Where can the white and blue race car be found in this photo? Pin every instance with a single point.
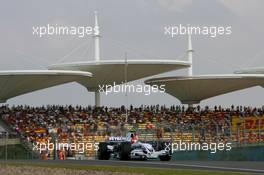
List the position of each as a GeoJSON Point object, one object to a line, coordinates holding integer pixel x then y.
{"type": "Point", "coordinates": [124, 148]}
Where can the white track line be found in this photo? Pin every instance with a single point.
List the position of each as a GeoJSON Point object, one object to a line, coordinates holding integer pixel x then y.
{"type": "Point", "coordinates": [197, 166]}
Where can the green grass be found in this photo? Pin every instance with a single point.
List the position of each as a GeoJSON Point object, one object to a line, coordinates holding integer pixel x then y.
{"type": "Point", "coordinates": [145, 171]}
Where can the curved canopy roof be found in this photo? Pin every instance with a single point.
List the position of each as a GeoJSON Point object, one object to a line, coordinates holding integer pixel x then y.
{"type": "Point", "coordinates": [255, 70]}
{"type": "Point", "coordinates": [106, 72]}
{"type": "Point", "coordinates": [14, 83]}
{"type": "Point", "coordinates": [194, 89]}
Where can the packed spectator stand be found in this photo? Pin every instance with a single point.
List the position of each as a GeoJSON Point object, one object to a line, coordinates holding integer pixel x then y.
{"type": "Point", "coordinates": [95, 124]}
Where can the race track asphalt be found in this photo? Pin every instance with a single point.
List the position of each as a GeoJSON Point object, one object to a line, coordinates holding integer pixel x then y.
{"type": "Point", "coordinates": [228, 166]}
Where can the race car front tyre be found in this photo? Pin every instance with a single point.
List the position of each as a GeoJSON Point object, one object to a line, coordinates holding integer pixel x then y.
{"type": "Point", "coordinates": [103, 153]}
{"type": "Point", "coordinates": [165, 157]}
{"type": "Point", "coordinates": [125, 150]}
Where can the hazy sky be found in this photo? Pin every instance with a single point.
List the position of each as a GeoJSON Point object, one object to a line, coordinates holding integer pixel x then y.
{"type": "Point", "coordinates": [135, 27]}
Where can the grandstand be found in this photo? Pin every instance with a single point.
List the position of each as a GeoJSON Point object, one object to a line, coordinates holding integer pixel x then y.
{"type": "Point", "coordinates": [243, 126]}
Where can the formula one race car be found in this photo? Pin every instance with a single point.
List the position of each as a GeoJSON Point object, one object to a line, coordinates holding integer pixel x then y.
{"type": "Point", "coordinates": [127, 148]}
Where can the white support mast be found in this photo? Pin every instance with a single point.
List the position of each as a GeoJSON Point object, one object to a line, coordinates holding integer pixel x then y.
{"type": "Point", "coordinates": [190, 55]}
{"type": "Point", "coordinates": [190, 59]}
{"type": "Point", "coordinates": [126, 65]}
{"type": "Point", "coordinates": [97, 98]}
{"type": "Point", "coordinates": [96, 38]}
{"type": "Point", "coordinates": [96, 54]}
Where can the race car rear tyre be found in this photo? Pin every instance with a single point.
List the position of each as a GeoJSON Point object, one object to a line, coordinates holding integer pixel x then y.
{"type": "Point", "coordinates": [103, 153]}
{"type": "Point", "coordinates": [165, 158]}
{"type": "Point", "coordinates": [143, 158]}
{"type": "Point", "coordinates": [125, 150]}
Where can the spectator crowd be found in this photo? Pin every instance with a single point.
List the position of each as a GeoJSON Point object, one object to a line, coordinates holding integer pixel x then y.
{"type": "Point", "coordinates": [73, 124]}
